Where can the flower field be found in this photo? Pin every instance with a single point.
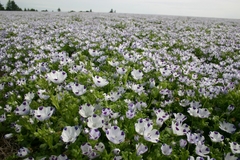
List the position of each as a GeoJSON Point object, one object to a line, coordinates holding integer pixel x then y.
{"type": "Point", "coordinates": [119, 86]}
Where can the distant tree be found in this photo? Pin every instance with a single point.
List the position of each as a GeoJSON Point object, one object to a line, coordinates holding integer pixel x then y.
{"type": "Point", "coordinates": [1, 7]}
{"type": "Point", "coordinates": [59, 10]}
{"type": "Point", "coordinates": [111, 11]}
{"type": "Point", "coordinates": [25, 9]}
{"type": "Point", "coordinates": [90, 10]}
{"type": "Point", "coordinates": [12, 6]}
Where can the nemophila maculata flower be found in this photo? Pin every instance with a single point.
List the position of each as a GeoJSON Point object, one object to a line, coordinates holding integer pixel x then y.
{"type": "Point", "coordinates": [116, 151]}
{"type": "Point", "coordinates": [137, 74]}
{"type": "Point", "coordinates": [86, 110]}
{"type": "Point", "coordinates": [78, 89]}
{"type": "Point", "coordinates": [166, 149]}
{"type": "Point", "coordinates": [87, 150]}
{"type": "Point", "coordinates": [22, 152]}
{"type": "Point", "coordinates": [230, 156]}
{"type": "Point", "coordinates": [142, 124]}
{"type": "Point", "coordinates": [29, 97]}
{"type": "Point", "coordinates": [8, 108]}
{"type": "Point", "coordinates": [201, 149]}
{"type": "Point", "coordinates": [130, 114]}
{"type": "Point", "coordinates": [57, 76]}
{"type": "Point", "coordinates": [1, 86]}
{"type": "Point", "coordinates": [216, 136]}
{"type": "Point", "coordinates": [182, 143]}
{"type": "Point", "coordinates": [94, 134]}
{"type": "Point", "coordinates": [23, 109]}
{"type": "Point", "coordinates": [151, 135]}
{"type": "Point", "coordinates": [193, 138]}
{"type": "Point", "coordinates": [141, 149]}
{"type": "Point", "coordinates": [100, 147]}
{"type": "Point", "coordinates": [179, 117]}
{"type": "Point", "coordinates": [3, 117]}
{"type": "Point", "coordinates": [70, 134]}
{"type": "Point", "coordinates": [117, 158]}
{"type": "Point", "coordinates": [179, 129]}
{"type": "Point", "coordinates": [121, 70]}
{"type": "Point", "coordinates": [235, 147]}
{"type": "Point", "coordinates": [99, 81]}
{"type": "Point", "coordinates": [227, 127]}
{"type": "Point", "coordinates": [43, 113]}
{"type": "Point", "coordinates": [94, 53]}
{"type": "Point", "coordinates": [95, 121]}
{"type": "Point", "coordinates": [42, 95]}
{"type": "Point", "coordinates": [8, 136]}
{"type": "Point", "coordinates": [115, 135]}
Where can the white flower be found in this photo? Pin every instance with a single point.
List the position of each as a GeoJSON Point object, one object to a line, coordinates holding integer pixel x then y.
{"type": "Point", "coordinates": [88, 151]}
{"type": "Point", "coordinates": [8, 108]}
{"type": "Point", "coordinates": [162, 116]}
{"type": "Point", "coordinates": [137, 88]}
{"type": "Point", "coordinates": [1, 86]}
{"type": "Point", "coordinates": [99, 81]}
{"type": "Point", "coordinates": [151, 135]}
{"type": "Point", "coordinates": [95, 121]}
{"type": "Point", "coordinates": [216, 136]}
{"type": "Point", "coordinates": [57, 76]}
{"type": "Point", "coordinates": [94, 134]}
{"type": "Point", "coordinates": [62, 157]}
{"type": "Point", "coordinates": [121, 70]}
{"type": "Point", "coordinates": [86, 110]}
{"type": "Point", "coordinates": [94, 53]}
{"type": "Point", "coordinates": [23, 109]}
{"type": "Point", "coordinates": [230, 156]}
{"type": "Point", "coordinates": [193, 111]}
{"type": "Point", "coordinates": [137, 74]}
{"type": "Point", "coordinates": [203, 113]}
{"type": "Point", "coordinates": [22, 152]}
{"type": "Point", "coordinates": [3, 117]}
{"type": "Point", "coordinates": [100, 147]}
{"type": "Point", "coordinates": [42, 95]}
{"type": "Point", "coordinates": [8, 136]}
{"type": "Point", "coordinates": [116, 151]}
{"type": "Point", "coordinates": [179, 129]}
{"type": "Point", "coordinates": [179, 117]}
{"type": "Point", "coordinates": [115, 135]}
{"type": "Point", "coordinates": [142, 124]}
{"type": "Point", "coordinates": [117, 158]}
{"type": "Point", "coordinates": [78, 89]}
{"type": "Point", "coordinates": [29, 96]}
{"type": "Point", "coordinates": [141, 148]}
{"type": "Point", "coordinates": [182, 143]}
{"type": "Point", "coordinates": [202, 150]}
{"type": "Point", "coordinates": [235, 147]}
{"type": "Point", "coordinates": [166, 149]}
{"type": "Point", "coordinates": [70, 133]}
{"type": "Point", "coordinates": [43, 113]}
{"type": "Point", "coordinates": [192, 138]}
{"type": "Point", "coordinates": [227, 127]}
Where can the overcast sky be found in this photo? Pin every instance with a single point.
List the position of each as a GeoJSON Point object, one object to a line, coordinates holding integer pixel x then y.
{"type": "Point", "coordinates": [199, 8]}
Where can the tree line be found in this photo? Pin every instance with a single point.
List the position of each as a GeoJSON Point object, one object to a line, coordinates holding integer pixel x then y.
{"type": "Point", "coordinates": [10, 6]}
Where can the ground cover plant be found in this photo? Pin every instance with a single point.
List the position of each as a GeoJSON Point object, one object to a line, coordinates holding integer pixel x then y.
{"type": "Point", "coordinates": [119, 86]}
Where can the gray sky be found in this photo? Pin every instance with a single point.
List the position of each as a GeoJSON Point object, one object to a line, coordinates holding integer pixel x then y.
{"type": "Point", "coordinates": [199, 8]}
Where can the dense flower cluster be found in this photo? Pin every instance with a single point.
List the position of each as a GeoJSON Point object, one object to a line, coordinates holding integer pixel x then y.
{"type": "Point", "coordinates": [85, 86]}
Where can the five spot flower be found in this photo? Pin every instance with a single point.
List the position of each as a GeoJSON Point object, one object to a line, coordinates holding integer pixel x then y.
{"type": "Point", "coordinates": [115, 135]}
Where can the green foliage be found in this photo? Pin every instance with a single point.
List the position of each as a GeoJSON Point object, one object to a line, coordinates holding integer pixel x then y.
{"type": "Point", "coordinates": [1, 7]}
{"type": "Point", "coordinates": [12, 6]}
